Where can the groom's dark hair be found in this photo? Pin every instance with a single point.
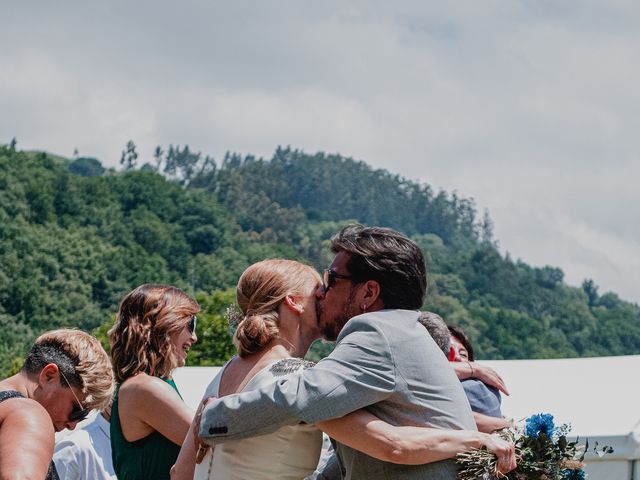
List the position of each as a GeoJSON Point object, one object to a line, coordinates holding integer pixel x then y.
{"type": "Point", "coordinates": [389, 258]}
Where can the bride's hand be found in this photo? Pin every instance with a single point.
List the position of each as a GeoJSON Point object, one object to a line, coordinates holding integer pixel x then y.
{"type": "Point", "coordinates": [201, 447]}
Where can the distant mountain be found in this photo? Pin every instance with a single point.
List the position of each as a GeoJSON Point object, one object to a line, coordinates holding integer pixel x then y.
{"type": "Point", "coordinates": [75, 237]}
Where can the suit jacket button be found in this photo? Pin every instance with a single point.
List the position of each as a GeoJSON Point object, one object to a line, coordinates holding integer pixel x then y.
{"type": "Point", "coordinates": [214, 430]}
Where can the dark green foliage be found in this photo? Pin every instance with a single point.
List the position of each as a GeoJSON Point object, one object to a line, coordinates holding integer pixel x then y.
{"type": "Point", "coordinates": [214, 346]}
{"type": "Point", "coordinates": [319, 349]}
{"type": "Point", "coordinates": [74, 239]}
{"type": "Point", "coordinates": [87, 167]}
{"type": "Point", "coordinates": [334, 188]}
{"type": "Point", "coordinates": [72, 245]}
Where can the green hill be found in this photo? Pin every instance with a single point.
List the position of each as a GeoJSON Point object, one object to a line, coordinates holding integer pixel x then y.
{"type": "Point", "coordinates": [75, 237]}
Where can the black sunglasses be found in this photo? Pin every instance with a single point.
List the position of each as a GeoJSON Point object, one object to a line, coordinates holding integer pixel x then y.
{"type": "Point", "coordinates": [191, 324]}
{"type": "Point", "coordinates": [77, 415]}
{"type": "Point", "coordinates": [329, 278]}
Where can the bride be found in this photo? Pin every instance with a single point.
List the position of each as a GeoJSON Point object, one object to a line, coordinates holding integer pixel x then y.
{"type": "Point", "coordinates": [278, 324]}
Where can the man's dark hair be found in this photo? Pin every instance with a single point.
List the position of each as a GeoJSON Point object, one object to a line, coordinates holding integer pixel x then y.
{"type": "Point", "coordinates": [43, 354]}
{"type": "Point", "coordinates": [389, 258]}
{"type": "Point", "coordinates": [463, 339]}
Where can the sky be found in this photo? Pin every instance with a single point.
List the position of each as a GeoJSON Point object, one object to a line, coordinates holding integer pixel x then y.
{"type": "Point", "coordinates": [529, 107]}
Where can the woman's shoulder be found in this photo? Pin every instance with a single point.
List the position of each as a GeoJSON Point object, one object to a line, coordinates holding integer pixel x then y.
{"type": "Point", "coordinates": [21, 407]}
{"type": "Point", "coordinates": [23, 417]}
{"type": "Point", "coordinates": [144, 386]}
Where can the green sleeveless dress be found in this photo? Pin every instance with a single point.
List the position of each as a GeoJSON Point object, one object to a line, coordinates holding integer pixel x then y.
{"type": "Point", "coordinates": [150, 457]}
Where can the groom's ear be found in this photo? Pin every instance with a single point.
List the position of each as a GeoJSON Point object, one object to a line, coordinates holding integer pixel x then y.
{"type": "Point", "coordinates": [293, 305]}
{"type": "Point", "coordinates": [370, 292]}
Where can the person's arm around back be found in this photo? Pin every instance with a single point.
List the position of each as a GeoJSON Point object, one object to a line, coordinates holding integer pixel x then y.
{"type": "Point", "coordinates": [483, 373]}
{"type": "Point", "coordinates": [488, 424]}
{"type": "Point", "coordinates": [359, 372]}
{"type": "Point", "coordinates": [185, 465]}
{"type": "Point", "coordinates": [26, 440]}
{"type": "Point", "coordinates": [410, 445]}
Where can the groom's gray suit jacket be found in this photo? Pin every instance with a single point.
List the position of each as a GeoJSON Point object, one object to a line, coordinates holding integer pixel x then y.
{"type": "Point", "coordinates": [385, 362]}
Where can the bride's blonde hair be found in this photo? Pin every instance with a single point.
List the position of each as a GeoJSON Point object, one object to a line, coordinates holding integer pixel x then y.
{"type": "Point", "coordinates": [261, 289]}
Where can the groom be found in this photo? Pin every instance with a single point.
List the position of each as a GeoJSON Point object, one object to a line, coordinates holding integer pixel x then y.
{"type": "Point", "coordinates": [383, 360]}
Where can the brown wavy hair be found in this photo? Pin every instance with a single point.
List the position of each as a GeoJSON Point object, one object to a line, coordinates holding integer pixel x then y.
{"type": "Point", "coordinates": [261, 289]}
{"type": "Point", "coordinates": [141, 337]}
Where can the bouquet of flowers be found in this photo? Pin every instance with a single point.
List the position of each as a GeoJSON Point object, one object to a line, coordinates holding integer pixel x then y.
{"type": "Point", "coordinates": [542, 451]}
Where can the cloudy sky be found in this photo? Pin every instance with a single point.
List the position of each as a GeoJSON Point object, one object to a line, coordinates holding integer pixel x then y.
{"type": "Point", "coordinates": [529, 107]}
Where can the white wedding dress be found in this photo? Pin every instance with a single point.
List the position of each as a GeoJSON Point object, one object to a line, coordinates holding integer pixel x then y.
{"type": "Point", "coordinates": [290, 453]}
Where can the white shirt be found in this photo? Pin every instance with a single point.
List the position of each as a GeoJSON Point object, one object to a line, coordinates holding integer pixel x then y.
{"type": "Point", "coordinates": [85, 453]}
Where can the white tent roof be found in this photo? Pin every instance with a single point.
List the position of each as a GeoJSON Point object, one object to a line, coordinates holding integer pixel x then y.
{"type": "Point", "coordinates": [192, 383]}
{"type": "Point", "coordinates": [597, 396]}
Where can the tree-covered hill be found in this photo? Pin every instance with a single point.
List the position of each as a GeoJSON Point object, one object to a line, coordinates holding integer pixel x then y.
{"type": "Point", "coordinates": [74, 237]}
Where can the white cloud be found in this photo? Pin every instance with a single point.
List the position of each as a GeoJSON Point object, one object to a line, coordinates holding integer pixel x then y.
{"type": "Point", "coordinates": [529, 107]}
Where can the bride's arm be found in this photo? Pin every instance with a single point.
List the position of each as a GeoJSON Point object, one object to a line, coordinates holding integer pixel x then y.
{"type": "Point", "coordinates": [365, 432]}
{"type": "Point", "coordinates": [185, 464]}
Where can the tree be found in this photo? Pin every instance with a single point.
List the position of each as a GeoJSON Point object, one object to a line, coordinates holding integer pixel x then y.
{"type": "Point", "coordinates": [214, 346]}
{"type": "Point", "coordinates": [591, 290]}
{"type": "Point", "coordinates": [129, 157]}
{"type": "Point", "coordinates": [183, 163]}
{"type": "Point", "coordinates": [486, 228]}
{"type": "Point", "coordinates": [87, 167]}
{"type": "Point", "coordinates": [157, 156]}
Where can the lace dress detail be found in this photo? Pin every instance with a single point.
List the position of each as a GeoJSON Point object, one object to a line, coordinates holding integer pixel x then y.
{"type": "Point", "coordinates": [289, 365]}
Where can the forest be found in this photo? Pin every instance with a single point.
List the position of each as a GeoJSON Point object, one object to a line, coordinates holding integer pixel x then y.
{"type": "Point", "coordinates": [76, 236]}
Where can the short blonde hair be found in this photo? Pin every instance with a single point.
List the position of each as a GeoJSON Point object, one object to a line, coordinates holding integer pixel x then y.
{"type": "Point", "coordinates": [81, 359]}
{"type": "Point", "coordinates": [141, 336]}
{"type": "Point", "coordinates": [261, 289]}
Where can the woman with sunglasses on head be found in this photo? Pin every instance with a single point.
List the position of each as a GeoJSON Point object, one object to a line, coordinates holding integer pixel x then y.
{"type": "Point", "coordinates": [154, 330]}
{"type": "Point", "coordinates": [65, 375]}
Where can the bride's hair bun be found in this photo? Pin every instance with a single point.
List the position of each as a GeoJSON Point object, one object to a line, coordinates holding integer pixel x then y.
{"type": "Point", "coordinates": [255, 332]}
{"type": "Point", "coordinates": [261, 289]}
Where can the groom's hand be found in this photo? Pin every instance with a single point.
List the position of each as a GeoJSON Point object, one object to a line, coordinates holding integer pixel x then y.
{"type": "Point", "coordinates": [201, 447]}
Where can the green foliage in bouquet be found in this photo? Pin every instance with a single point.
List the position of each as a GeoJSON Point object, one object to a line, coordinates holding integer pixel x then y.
{"type": "Point", "coordinates": [542, 451]}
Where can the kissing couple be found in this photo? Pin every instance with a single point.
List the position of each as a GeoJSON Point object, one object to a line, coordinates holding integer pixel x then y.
{"type": "Point", "coordinates": [386, 396]}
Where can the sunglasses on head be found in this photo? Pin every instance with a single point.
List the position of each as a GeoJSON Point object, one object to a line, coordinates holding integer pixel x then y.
{"type": "Point", "coordinates": [76, 415]}
{"type": "Point", "coordinates": [329, 278]}
{"type": "Point", "coordinates": [191, 324]}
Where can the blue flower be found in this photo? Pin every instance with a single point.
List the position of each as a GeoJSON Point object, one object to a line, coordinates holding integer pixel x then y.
{"type": "Point", "coordinates": [539, 423]}
{"type": "Point", "coordinates": [573, 475]}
